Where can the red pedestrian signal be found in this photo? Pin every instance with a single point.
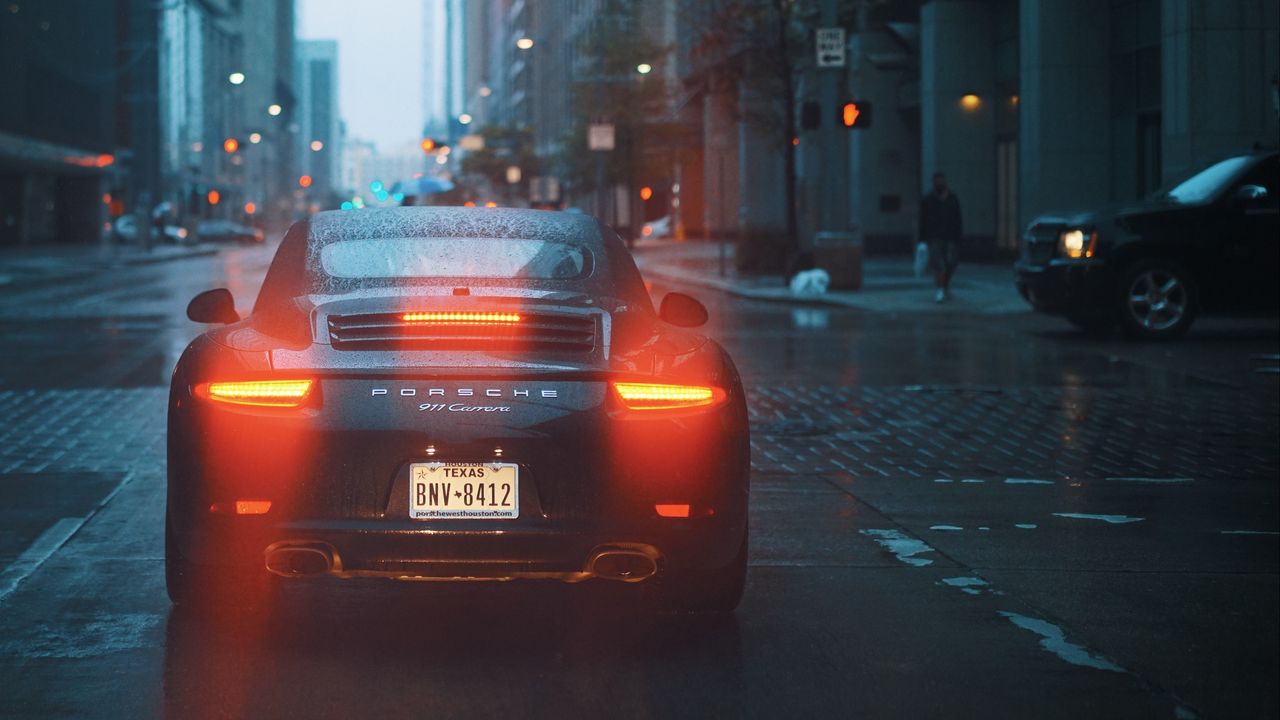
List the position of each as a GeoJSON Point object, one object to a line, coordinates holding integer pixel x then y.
{"type": "Point", "coordinates": [855, 114]}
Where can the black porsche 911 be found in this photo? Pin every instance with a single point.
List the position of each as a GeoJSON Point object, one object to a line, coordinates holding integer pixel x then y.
{"type": "Point", "coordinates": [428, 393]}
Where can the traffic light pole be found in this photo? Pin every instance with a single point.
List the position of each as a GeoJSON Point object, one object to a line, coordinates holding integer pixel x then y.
{"type": "Point", "coordinates": [833, 138]}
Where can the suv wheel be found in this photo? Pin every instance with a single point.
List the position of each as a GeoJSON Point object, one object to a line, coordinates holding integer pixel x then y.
{"type": "Point", "coordinates": [1158, 300]}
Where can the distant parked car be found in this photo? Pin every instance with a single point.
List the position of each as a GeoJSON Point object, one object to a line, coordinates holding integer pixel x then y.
{"type": "Point", "coordinates": [227, 231]}
{"type": "Point", "coordinates": [1210, 243]}
{"type": "Point", "coordinates": [657, 228]}
{"type": "Point", "coordinates": [125, 230]}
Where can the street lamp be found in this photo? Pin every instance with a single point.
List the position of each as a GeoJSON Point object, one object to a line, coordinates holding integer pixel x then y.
{"type": "Point", "coordinates": [274, 109]}
{"type": "Point", "coordinates": [316, 146]}
{"type": "Point", "coordinates": [465, 118]}
{"type": "Point", "coordinates": [236, 78]}
{"type": "Point", "coordinates": [644, 68]}
{"type": "Point", "coordinates": [525, 43]}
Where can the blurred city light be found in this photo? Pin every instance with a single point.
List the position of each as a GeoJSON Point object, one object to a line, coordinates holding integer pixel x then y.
{"type": "Point", "coordinates": [273, 109]}
{"type": "Point", "coordinates": [465, 118]}
{"type": "Point", "coordinates": [644, 68]}
{"type": "Point", "coordinates": [255, 138]}
{"type": "Point", "coordinates": [230, 145]}
{"type": "Point", "coordinates": [250, 208]}
{"type": "Point", "coordinates": [375, 186]}
{"type": "Point", "coordinates": [524, 43]}
{"type": "Point", "coordinates": [346, 205]}
{"type": "Point", "coordinates": [236, 78]}
{"type": "Point", "coordinates": [646, 192]}
{"type": "Point", "coordinates": [214, 197]}
{"type": "Point", "coordinates": [428, 145]}
{"type": "Point", "coordinates": [316, 146]}
{"type": "Point", "coordinates": [485, 91]}
{"type": "Point", "coordinates": [305, 181]}
{"type": "Point", "coordinates": [970, 102]}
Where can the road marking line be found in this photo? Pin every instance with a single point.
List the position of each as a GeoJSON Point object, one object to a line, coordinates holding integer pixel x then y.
{"type": "Point", "coordinates": [1248, 532]}
{"type": "Point", "coordinates": [49, 542]}
{"type": "Point", "coordinates": [1113, 519]}
{"type": "Point", "coordinates": [1054, 640]}
{"type": "Point", "coordinates": [1026, 481]}
{"type": "Point", "coordinates": [34, 556]}
{"type": "Point", "coordinates": [1153, 480]}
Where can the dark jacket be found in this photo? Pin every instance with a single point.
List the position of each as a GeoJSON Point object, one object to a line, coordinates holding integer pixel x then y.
{"type": "Point", "coordinates": [940, 218]}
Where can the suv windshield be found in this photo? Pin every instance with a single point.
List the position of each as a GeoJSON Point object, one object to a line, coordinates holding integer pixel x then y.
{"type": "Point", "coordinates": [1205, 184]}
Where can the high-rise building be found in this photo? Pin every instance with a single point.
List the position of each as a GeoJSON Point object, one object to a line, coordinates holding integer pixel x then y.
{"type": "Point", "coordinates": [319, 126]}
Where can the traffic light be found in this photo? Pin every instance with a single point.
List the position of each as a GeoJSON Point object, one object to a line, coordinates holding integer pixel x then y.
{"type": "Point", "coordinates": [854, 114]}
{"type": "Point", "coordinates": [430, 145]}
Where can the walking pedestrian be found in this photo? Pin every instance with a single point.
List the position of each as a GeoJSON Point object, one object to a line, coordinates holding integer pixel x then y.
{"type": "Point", "coordinates": [941, 229]}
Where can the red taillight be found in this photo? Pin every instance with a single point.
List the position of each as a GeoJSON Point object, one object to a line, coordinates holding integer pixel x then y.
{"type": "Point", "coordinates": [253, 507]}
{"type": "Point", "coordinates": [652, 396]}
{"type": "Point", "coordinates": [672, 511]}
{"type": "Point", "coordinates": [266, 393]}
{"type": "Point", "coordinates": [461, 318]}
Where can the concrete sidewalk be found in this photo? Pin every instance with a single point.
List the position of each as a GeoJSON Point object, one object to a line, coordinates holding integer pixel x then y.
{"type": "Point", "coordinates": [49, 261]}
{"type": "Point", "coordinates": [888, 284]}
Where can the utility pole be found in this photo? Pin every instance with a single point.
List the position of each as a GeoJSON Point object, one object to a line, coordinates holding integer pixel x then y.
{"type": "Point", "coordinates": [833, 162]}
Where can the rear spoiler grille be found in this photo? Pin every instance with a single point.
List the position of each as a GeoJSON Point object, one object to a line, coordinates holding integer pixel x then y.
{"type": "Point", "coordinates": [533, 331]}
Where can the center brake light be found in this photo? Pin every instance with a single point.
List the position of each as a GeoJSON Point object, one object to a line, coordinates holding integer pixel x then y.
{"type": "Point", "coordinates": [652, 396]}
{"type": "Point", "coordinates": [264, 393]}
{"type": "Point", "coordinates": [461, 318]}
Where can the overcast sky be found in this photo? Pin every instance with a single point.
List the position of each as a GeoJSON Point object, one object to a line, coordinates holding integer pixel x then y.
{"type": "Point", "coordinates": [380, 70]}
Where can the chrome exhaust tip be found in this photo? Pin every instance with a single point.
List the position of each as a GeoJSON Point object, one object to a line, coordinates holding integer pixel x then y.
{"type": "Point", "coordinates": [301, 559]}
{"type": "Point", "coordinates": [625, 565]}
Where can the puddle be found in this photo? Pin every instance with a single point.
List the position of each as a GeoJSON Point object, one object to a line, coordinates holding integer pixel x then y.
{"type": "Point", "coordinates": [904, 548]}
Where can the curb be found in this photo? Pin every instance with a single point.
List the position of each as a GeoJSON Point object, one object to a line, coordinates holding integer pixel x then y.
{"type": "Point", "coordinates": [154, 259]}
{"type": "Point", "coordinates": [784, 295]}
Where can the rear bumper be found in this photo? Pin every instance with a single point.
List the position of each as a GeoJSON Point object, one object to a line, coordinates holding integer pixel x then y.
{"type": "Point", "coordinates": [1078, 288]}
{"type": "Point", "coordinates": [428, 551]}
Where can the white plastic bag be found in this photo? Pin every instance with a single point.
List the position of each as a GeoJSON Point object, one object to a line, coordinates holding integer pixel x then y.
{"type": "Point", "coordinates": [810, 282]}
{"type": "Point", "coordinates": [922, 259]}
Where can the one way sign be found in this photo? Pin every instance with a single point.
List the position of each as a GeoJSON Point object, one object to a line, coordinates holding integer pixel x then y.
{"type": "Point", "coordinates": [830, 43]}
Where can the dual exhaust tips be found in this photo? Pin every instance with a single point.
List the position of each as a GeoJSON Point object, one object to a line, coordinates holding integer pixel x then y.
{"type": "Point", "coordinates": [623, 563]}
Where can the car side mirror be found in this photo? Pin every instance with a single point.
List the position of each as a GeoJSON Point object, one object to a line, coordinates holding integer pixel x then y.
{"type": "Point", "coordinates": [1250, 193]}
{"type": "Point", "coordinates": [682, 310]}
{"type": "Point", "coordinates": [213, 306]}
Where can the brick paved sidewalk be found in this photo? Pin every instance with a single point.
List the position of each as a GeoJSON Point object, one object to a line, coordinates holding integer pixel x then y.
{"type": "Point", "coordinates": [888, 284]}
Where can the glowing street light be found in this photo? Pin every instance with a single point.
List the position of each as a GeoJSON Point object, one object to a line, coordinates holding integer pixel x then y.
{"type": "Point", "coordinates": [525, 43]}
{"type": "Point", "coordinates": [255, 138]}
{"type": "Point", "coordinates": [644, 68]}
{"type": "Point", "coordinates": [274, 109]}
{"type": "Point", "coordinates": [465, 118]}
{"type": "Point", "coordinates": [316, 146]}
{"type": "Point", "coordinates": [236, 78]}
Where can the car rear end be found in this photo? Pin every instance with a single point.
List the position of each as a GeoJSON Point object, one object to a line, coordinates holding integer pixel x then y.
{"type": "Point", "coordinates": [506, 434]}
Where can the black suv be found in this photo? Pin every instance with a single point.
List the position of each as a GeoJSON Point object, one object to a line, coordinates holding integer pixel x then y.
{"type": "Point", "coordinates": [1210, 243]}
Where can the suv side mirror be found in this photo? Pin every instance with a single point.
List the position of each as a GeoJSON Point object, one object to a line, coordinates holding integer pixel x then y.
{"type": "Point", "coordinates": [682, 310]}
{"type": "Point", "coordinates": [1251, 193]}
{"type": "Point", "coordinates": [213, 306]}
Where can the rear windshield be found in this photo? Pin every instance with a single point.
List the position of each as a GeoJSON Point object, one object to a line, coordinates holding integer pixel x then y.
{"type": "Point", "coordinates": [399, 249]}
{"type": "Point", "coordinates": [455, 257]}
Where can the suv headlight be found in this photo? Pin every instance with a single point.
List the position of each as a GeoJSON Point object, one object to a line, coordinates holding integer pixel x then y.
{"type": "Point", "coordinates": [1078, 243]}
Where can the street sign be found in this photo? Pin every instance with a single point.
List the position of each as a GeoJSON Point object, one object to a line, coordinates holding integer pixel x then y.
{"type": "Point", "coordinates": [600, 136]}
{"type": "Point", "coordinates": [830, 45]}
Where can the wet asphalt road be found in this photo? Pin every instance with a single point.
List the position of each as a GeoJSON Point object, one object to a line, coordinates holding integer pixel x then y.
{"type": "Point", "coordinates": [951, 516]}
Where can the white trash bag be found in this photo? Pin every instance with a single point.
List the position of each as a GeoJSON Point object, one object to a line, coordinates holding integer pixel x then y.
{"type": "Point", "coordinates": [810, 282]}
{"type": "Point", "coordinates": [922, 259]}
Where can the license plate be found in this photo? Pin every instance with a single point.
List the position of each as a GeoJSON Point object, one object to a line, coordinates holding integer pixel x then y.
{"type": "Point", "coordinates": [464, 491]}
